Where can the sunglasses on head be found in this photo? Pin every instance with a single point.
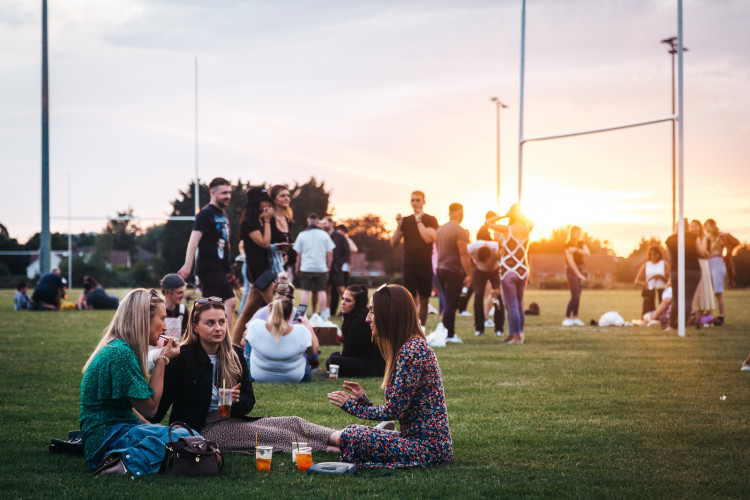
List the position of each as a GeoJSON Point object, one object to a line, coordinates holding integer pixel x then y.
{"type": "Point", "coordinates": [206, 300]}
{"type": "Point", "coordinates": [154, 293]}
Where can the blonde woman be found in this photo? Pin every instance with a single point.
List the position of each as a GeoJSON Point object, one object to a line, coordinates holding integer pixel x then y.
{"type": "Point", "coordinates": [703, 300]}
{"type": "Point", "coordinates": [114, 384]}
{"type": "Point", "coordinates": [413, 393]}
{"type": "Point", "coordinates": [207, 362]}
{"type": "Point", "coordinates": [278, 347]}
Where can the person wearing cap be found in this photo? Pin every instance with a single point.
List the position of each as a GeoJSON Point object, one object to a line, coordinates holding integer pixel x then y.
{"type": "Point", "coordinates": [173, 289]}
{"type": "Point", "coordinates": [210, 236]}
{"type": "Point", "coordinates": [48, 291]}
{"type": "Point", "coordinates": [255, 233]}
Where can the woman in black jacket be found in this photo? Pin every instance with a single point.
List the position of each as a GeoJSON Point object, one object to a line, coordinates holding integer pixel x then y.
{"type": "Point", "coordinates": [361, 357]}
{"type": "Point", "coordinates": [207, 362]}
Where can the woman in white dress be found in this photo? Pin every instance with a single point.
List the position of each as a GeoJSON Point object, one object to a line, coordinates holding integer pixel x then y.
{"type": "Point", "coordinates": [703, 301]}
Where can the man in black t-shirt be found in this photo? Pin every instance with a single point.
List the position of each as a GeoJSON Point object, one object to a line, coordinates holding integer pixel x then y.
{"type": "Point", "coordinates": [210, 237]}
{"type": "Point", "coordinates": [341, 255]}
{"type": "Point", "coordinates": [418, 231]}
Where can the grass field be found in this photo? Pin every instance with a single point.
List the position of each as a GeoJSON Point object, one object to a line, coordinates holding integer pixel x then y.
{"type": "Point", "coordinates": [574, 412]}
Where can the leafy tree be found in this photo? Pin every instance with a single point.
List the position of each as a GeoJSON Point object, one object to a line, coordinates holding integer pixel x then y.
{"type": "Point", "coordinates": [306, 198]}
{"type": "Point", "coordinates": [15, 264]}
{"type": "Point", "coordinates": [373, 239]}
{"type": "Point", "coordinates": [742, 266]}
{"type": "Point", "coordinates": [124, 232]}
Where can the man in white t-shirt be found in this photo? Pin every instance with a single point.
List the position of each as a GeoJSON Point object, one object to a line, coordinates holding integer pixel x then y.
{"type": "Point", "coordinates": [314, 249]}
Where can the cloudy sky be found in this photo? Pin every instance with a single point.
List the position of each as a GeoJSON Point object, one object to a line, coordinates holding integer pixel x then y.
{"type": "Point", "coordinates": [377, 98]}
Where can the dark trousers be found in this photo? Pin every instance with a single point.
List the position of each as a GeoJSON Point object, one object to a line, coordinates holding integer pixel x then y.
{"type": "Point", "coordinates": [479, 281]}
{"type": "Point", "coordinates": [692, 280]}
{"type": "Point", "coordinates": [574, 284]}
{"type": "Point", "coordinates": [651, 299]}
{"type": "Point", "coordinates": [451, 283]}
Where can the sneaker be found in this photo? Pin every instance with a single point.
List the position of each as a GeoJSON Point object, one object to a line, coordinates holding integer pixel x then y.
{"type": "Point", "coordinates": [464, 313]}
{"type": "Point", "coordinates": [577, 322]}
{"type": "Point", "coordinates": [498, 333]}
{"type": "Point", "coordinates": [478, 333]}
{"type": "Point", "coordinates": [567, 322]}
{"type": "Point", "coordinates": [719, 321]}
{"type": "Point", "coordinates": [489, 323]}
{"type": "Point", "coordinates": [455, 340]}
{"type": "Point", "coordinates": [388, 425]}
{"type": "Point", "coordinates": [745, 366]}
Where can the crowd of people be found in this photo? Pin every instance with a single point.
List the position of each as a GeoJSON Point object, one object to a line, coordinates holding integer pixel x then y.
{"type": "Point", "coordinates": [158, 357]}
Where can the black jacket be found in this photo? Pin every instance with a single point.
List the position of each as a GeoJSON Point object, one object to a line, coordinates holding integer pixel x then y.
{"type": "Point", "coordinates": [188, 386]}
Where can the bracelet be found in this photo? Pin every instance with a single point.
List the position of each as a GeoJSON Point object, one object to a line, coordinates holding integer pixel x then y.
{"type": "Point", "coordinates": [161, 356]}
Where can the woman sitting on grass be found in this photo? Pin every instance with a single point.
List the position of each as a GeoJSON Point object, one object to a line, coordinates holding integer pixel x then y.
{"type": "Point", "coordinates": [278, 348]}
{"type": "Point", "coordinates": [114, 383]}
{"type": "Point", "coordinates": [207, 362]}
{"type": "Point", "coordinates": [413, 392]}
{"type": "Point", "coordinates": [360, 356]}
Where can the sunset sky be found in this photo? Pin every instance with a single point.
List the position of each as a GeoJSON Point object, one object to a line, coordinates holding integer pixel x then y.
{"type": "Point", "coordinates": [378, 98]}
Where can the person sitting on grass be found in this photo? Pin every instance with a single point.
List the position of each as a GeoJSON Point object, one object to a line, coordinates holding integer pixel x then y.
{"type": "Point", "coordinates": [114, 384]}
{"type": "Point", "coordinates": [278, 348]}
{"type": "Point", "coordinates": [413, 392]}
{"type": "Point", "coordinates": [94, 296]}
{"type": "Point", "coordinates": [21, 301]}
{"type": "Point", "coordinates": [360, 356]}
{"type": "Point", "coordinates": [207, 362]}
{"type": "Point", "coordinates": [49, 291]}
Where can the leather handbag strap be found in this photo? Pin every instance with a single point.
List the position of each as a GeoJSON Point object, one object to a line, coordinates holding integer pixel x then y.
{"type": "Point", "coordinates": [180, 424]}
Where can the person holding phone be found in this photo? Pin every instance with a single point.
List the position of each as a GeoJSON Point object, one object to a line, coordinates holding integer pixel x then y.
{"type": "Point", "coordinates": [278, 348]}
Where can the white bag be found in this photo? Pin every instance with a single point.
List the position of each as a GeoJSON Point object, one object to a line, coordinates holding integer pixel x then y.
{"type": "Point", "coordinates": [437, 338]}
{"type": "Point", "coordinates": [611, 318]}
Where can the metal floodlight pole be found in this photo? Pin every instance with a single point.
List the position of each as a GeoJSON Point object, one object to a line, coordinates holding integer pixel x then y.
{"type": "Point", "coordinates": [70, 239]}
{"type": "Point", "coordinates": [197, 186]}
{"type": "Point", "coordinates": [681, 178]}
{"type": "Point", "coordinates": [520, 105]}
{"type": "Point", "coordinates": [44, 240]}
{"type": "Point", "coordinates": [498, 105]}
{"type": "Point", "coordinates": [672, 42]}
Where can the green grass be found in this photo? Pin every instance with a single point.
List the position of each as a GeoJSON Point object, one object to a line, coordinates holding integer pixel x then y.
{"type": "Point", "coordinates": [574, 412]}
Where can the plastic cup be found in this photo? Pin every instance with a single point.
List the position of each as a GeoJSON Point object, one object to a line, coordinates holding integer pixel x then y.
{"type": "Point", "coordinates": [302, 444]}
{"type": "Point", "coordinates": [304, 458]}
{"type": "Point", "coordinates": [263, 455]}
{"type": "Point", "coordinates": [225, 402]}
{"type": "Point", "coordinates": [333, 371]}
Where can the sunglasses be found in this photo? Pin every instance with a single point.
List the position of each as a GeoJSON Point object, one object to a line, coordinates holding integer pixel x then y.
{"type": "Point", "coordinates": [154, 294]}
{"type": "Point", "coordinates": [203, 301]}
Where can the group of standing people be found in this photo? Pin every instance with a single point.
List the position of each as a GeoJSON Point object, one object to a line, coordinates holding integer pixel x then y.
{"type": "Point", "coordinates": [708, 258]}
{"type": "Point", "coordinates": [501, 261]}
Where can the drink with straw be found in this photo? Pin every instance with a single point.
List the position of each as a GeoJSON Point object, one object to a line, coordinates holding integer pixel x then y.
{"type": "Point", "coordinates": [304, 458]}
{"type": "Point", "coordinates": [263, 456]}
{"type": "Point", "coordinates": [225, 401]}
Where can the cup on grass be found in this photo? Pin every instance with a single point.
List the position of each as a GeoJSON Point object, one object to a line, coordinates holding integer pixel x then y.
{"type": "Point", "coordinates": [333, 371]}
{"type": "Point", "coordinates": [263, 455]}
{"type": "Point", "coordinates": [225, 402]}
{"type": "Point", "coordinates": [295, 444]}
{"type": "Point", "coordinates": [304, 458]}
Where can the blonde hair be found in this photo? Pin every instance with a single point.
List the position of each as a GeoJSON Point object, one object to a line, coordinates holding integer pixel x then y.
{"type": "Point", "coordinates": [228, 366]}
{"type": "Point", "coordinates": [132, 323]}
{"type": "Point", "coordinates": [396, 322]}
{"type": "Point", "coordinates": [281, 310]}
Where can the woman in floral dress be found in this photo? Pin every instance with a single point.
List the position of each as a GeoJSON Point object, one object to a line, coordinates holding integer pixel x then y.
{"type": "Point", "coordinates": [413, 391]}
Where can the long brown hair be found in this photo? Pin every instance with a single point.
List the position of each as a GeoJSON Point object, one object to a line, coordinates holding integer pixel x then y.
{"type": "Point", "coordinates": [396, 321]}
{"type": "Point", "coordinates": [273, 192]}
{"type": "Point", "coordinates": [132, 323]}
{"type": "Point", "coordinates": [228, 366]}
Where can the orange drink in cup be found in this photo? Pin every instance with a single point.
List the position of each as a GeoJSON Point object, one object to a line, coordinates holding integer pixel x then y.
{"type": "Point", "coordinates": [304, 458]}
{"type": "Point", "coordinates": [225, 402]}
{"type": "Point", "coordinates": [263, 455]}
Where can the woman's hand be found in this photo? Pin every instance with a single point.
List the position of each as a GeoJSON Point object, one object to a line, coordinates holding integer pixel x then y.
{"type": "Point", "coordinates": [236, 393]}
{"type": "Point", "coordinates": [338, 398]}
{"type": "Point", "coordinates": [171, 349]}
{"type": "Point", "coordinates": [354, 388]}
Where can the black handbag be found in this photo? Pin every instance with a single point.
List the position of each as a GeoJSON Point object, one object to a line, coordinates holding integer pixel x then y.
{"type": "Point", "coordinates": [265, 279]}
{"type": "Point", "coordinates": [190, 456]}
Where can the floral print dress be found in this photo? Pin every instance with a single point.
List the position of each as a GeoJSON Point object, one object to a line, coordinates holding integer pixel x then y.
{"type": "Point", "coordinates": [415, 397]}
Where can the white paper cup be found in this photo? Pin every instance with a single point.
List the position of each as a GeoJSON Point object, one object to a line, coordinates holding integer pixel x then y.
{"type": "Point", "coordinates": [333, 371]}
